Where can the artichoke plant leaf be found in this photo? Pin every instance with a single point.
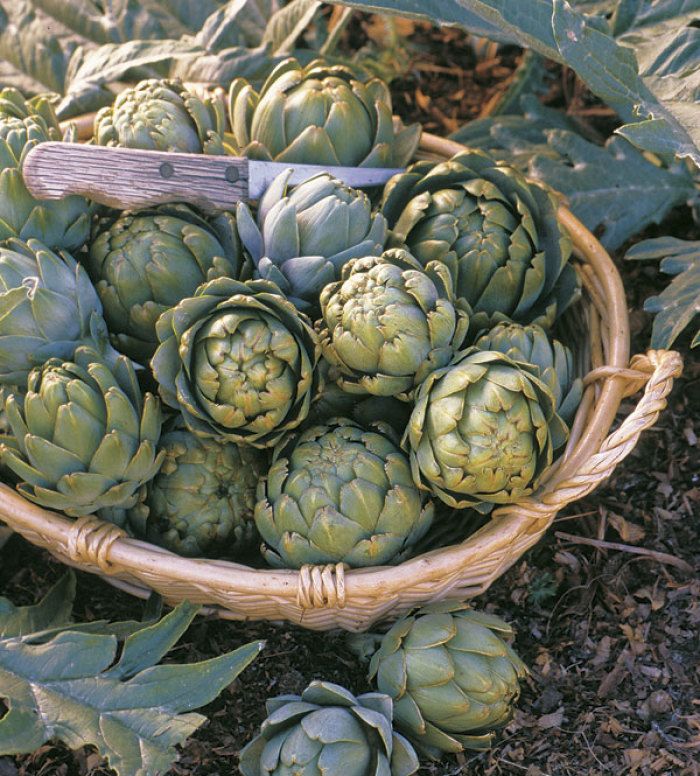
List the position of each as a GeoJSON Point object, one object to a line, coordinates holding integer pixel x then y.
{"type": "Point", "coordinates": [62, 682]}
{"type": "Point", "coordinates": [677, 305]}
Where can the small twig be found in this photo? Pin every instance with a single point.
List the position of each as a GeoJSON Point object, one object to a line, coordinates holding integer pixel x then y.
{"type": "Point", "coordinates": [660, 557]}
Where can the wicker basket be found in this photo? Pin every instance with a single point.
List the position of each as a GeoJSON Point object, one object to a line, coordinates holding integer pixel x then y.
{"type": "Point", "coordinates": [326, 597]}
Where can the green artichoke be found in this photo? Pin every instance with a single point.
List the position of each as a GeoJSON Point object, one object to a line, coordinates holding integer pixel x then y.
{"type": "Point", "coordinates": [333, 402]}
{"type": "Point", "coordinates": [63, 223]}
{"type": "Point", "coordinates": [339, 493]}
{"type": "Point", "coordinates": [451, 675]}
{"type": "Point", "coordinates": [497, 232]}
{"type": "Point", "coordinates": [47, 307]}
{"type": "Point", "coordinates": [87, 438]}
{"type": "Point", "coordinates": [483, 430]}
{"type": "Point", "coordinates": [143, 263]}
{"type": "Point", "coordinates": [554, 360]}
{"type": "Point", "coordinates": [201, 501]}
{"type": "Point", "coordinates": [389, 323]}
{"type": "Point", "coordinates": [161, 115]}
{"type": "Point", "coordinates": [238, 361]}
{"type": "Point", "coordinates": [327, 731]}
{"type": "Point", "coordinates": [319, 114]}
{"type": "Point", "coordinates": [303, 238]}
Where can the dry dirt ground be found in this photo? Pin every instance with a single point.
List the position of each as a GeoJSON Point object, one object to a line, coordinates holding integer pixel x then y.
{"type": "Point", "coordinates": [610, 634]}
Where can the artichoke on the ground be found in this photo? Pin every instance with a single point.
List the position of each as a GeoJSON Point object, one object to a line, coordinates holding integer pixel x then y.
{"type": "Point", "coordinates": [146, 262]}
{"type": "Point", "coordinates": [389, 323]}
{"type": "Point", "coordinates": [452, 676]}
{"type": "Point", "coordinates": [162, 115]}
{"type": "Point", "coordinates": [48, 306]}
{"type": "Point", "coordinates": [319, 114]}
{"type": "Point", "coordinates": [238, 360]}
{"type": "Point", "coordinates": [340, 493]}
{"type": "Point", "coordinates": [303, 238]}
{"type": "Point", "coordinates": [496, 231]}
{"type": "Point", "coordinates": [63, 223]}
{"type": "Point", "coordinates": [483, 430]}
{"type": "Point", "coordinates": [86, 437]}
{"type": "Point", "coordinates": [201, 501]}
{"type": "Point", "coordinates": [532, 345]}
{"type": "Point", "coordinates": [327, 731]}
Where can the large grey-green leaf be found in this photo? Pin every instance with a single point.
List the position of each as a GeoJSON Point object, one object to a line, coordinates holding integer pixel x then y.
{"type": "Point", "coordinates": [30, 46]}
{"type": "Point", "coordinates": [238, 23]}
{"type": "Point", "coordinates": [116, 21]}
{"type": "Point", "coordinates": [677, 305]}
{"type": "Point", "coordinates": [192, 14]}
{"type": "Point", "coordinates": [670, 66]}
{"type": "Point", "coordinates": [287, 24]}
{"type": "Point", "coordinates": [52, 611]}
{"type": "Point", "coordinates": [91, 70]}
{"type": "Point", "coordinates": [615, 190]}
{"type": "Point", "coordinates": [649, 17]}
{"type": "Point", "coordinates": [64, 683]}
{"type": "Point", "coordinates": [223, 66]}
{"type": "Point", "coordinates": [667, 109]}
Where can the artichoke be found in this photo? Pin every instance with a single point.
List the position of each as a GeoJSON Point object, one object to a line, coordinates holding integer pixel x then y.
{"type": "Point", "coordinates": [161, 115]}
{"type": "Point", "coordinates": [483, 430]}
{"type": "Point", "coordinates": [87, 438]}
{"type": "Point", "coordinates": [451, 675]}
{"type": "Point", "coordinates": [47, 307]}
{"type": "Point", "coordinates": [202, 499]}
{"type": "Point", "coordinates": [303, 238]}
{"type": "Point", "coordinates": [497, 232]}
{"type": "Point", "coordinates": [333, 402]}
{"type": "Point", "coordinates": [63, 223]}
{"type": "Point", "coordinates": [554, 360]}
{"type": "Point", "coordinates": [389, 323]}
{"type": "Point", "coordinates": [338, 493]}
{"type": "Point", "coordinates": [143, 263]}
{"type": "Point", "coordinates": [319, 114]}
{"type": "Point", "coordinates": [238, 361]}
{"type": "Point", "coordinates": [327, 731]}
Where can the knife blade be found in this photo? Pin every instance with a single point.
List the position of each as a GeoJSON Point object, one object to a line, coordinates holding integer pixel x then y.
{"type": "Point", "coordinates": [129, 179]}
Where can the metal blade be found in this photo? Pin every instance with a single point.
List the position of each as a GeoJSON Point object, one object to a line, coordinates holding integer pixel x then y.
{"type": "Point", "coordinates": [261, 175]}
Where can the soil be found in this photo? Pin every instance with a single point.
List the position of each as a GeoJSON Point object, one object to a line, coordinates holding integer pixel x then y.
{"type": "Point", "coordinates": [610, 635]}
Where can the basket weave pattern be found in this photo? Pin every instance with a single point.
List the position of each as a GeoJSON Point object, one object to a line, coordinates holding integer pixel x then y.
{"type": "Point", "coordinates": [325, 597]}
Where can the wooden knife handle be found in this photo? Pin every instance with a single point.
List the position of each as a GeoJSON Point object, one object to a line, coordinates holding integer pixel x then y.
{"type": "Point", "coordinates": [128, 179]}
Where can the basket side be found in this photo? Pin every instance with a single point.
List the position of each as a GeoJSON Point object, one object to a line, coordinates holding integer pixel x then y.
{"type": "Point", "coordinates": [327, 597]}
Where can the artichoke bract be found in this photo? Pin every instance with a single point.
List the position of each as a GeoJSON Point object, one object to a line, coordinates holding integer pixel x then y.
{"type": "Point", "coordinates": [303, 239]}
{"type": "Point", "coordinates": [63, 223]}
{"type": "Point", "coordinates": [162, 115]}
{"type": "Point", "coordinates": [327, 731]}
{"type": "Point", "coordinates": [201, 501]}
{"type": "Point", "coordinates": [555, 361]}
{"type": "Point", "coordinates": [319, 114]}
{"type": "Point", "coordinates": [496, 231]}
{"type": "Point", "coordinates": [389, 323]}
{"type": "Point", "coordinates": [87, 438]}
{"type": "Point", "coordinates": [238, 360]}
{"type": "Point", "coordinates": [47, 307]}
{"type": "Point", "coordinates": [452, 676]}
{"type": "Point", "coordinates": [146, 262]}
{"type": "Point", "coordinates": [483, 430]}
{"type": "Point", "coordinates": [338, 493]}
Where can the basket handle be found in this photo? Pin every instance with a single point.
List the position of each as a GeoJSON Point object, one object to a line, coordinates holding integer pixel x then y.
{"type": "Point", "coordinates": [661, 368]}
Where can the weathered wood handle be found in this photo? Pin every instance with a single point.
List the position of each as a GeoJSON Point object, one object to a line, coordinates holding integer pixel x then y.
{"type": "Point", "coordinates": [127, 178]}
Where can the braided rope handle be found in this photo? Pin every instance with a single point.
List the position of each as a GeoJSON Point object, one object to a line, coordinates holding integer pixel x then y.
{"type": "Point", "coordinates": [663, 366]}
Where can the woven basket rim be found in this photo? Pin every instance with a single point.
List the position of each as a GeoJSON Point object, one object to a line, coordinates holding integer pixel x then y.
{"type": "Point", "coordinates": [317, 596]}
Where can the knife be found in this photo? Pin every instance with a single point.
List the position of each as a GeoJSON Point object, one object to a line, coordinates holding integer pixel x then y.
{"type": "Point", "coordinates": [130, 179]}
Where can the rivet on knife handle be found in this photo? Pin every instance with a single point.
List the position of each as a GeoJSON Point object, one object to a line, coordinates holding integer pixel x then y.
{"type": "Point", "coordinates": [127, 178]}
